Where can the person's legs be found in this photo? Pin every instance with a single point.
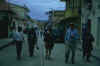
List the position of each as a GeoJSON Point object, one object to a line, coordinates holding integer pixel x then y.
{"type": "Point", "coordinates": [83, 47]}
{"type": "Point", "coordinates": [30, 48]}
{"type": "Point", "coordinates": [47, 53]}
{"type": "Point", "coordinates": [33, 47]}
{"type": "Point", "coordinates": [73, 55]}
{"type": "Point", "coordinates": [67, 53]}
{"type": "Point", "coordinates": [19, 49]}
{"type": "Point", "coordinates": [47, 50]}
{"type": "Point", "coordinates": [88, 56]}
{"type": "Point", "coordinates": [84, 53]}
{"type": "Point", "coordinates": [50, 49]}
{"type": "Point", "coordinates": [73, 47]}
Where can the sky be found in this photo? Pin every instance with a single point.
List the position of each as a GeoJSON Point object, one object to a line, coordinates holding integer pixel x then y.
{"type": "Point", "coordinates": [38, 8]}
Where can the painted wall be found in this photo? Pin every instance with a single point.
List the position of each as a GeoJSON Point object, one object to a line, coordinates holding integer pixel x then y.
{"type": "Point", "coordinates": [94, 14]}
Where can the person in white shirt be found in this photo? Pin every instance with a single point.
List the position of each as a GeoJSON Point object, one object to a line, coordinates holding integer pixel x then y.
{"type": "Point", "coordinates": [19, 38]}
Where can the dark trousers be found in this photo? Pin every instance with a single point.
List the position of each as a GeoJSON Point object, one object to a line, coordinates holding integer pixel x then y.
{"type": "Point", "coordinates": [87, 49]}
{"type": "Point", "coordinates": [19, 49]}
{"type": "Point", "coordinates": [31, 47]}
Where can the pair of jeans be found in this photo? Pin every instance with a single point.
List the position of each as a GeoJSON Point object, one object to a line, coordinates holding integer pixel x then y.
{"type": "Point", "coordinates": [70, 47]}
{"type": "Point", "coordinates": [31, 44]}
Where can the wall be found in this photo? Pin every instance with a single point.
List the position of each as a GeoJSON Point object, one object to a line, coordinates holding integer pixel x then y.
{"type": "Point", "coordinates": [94, 14]}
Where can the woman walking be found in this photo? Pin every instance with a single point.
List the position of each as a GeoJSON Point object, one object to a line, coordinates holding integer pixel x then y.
{"type": "Point", "coordinates": [49, 42]}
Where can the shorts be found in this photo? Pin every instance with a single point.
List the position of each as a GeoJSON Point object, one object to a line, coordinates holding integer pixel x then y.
{"type": "Point", "coordinates": [49, 45]}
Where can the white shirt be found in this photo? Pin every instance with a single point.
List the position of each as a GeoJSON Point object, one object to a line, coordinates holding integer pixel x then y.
{"type": "Point", "coordinates": [18, 36]}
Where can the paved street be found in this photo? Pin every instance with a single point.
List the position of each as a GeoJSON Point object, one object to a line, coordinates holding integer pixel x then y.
{"type": "Point", "coordinates": [8, 57]}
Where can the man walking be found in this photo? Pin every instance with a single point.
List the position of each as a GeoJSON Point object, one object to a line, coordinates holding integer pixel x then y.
{"type": "Point", "coordinates": [71, 38]}
{"type": "Point", "coordinates": [18, 37]}
{"type": "Point", "coordinates": [32, 39]}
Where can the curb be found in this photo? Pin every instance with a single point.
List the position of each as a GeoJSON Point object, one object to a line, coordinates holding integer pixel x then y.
{"type": "Point", "coordinates": [98, 58]}
{"type": "Point", "coordinates": [6, 45]}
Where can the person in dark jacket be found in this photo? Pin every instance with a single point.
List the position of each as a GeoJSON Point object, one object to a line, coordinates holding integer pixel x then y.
{"type": "Point", "coordinates": [31, 41]}
{"type": "Point", "coordinates": [49, 42]}
{"type": "Point", "coordinates": [87, 45]}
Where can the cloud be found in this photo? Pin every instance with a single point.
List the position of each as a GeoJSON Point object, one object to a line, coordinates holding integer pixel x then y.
{"type": "Point", "coordinates": [39, 7]}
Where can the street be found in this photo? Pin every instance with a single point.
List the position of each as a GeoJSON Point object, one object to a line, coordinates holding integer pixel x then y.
{"type": "Point", "coordinates": [8, 57]}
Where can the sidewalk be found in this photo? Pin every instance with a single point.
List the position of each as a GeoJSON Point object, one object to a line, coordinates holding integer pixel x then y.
{"type": "Point", "coordinates": [8, 57]}
{"type": "Point", "coordinates": [5, 43]}
{"type": "Point", "coordinates": [95, 52]}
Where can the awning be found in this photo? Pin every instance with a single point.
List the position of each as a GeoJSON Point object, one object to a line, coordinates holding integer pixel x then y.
{"type": "Point", "coordinates": [71, 13]}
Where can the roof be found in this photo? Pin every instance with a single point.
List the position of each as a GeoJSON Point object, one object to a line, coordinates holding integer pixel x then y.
{"type": "Point", "coordinates": [19, 6]}
{"type": "Point", "coordinates": [70, 14]}
{"type": "Point", "coordinates": [59, 13]}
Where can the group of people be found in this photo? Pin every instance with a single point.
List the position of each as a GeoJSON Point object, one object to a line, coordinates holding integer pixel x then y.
{"type": "Point", "coordinates": [72, 38]}
{"type": "Point", "coordinates": [19, 39]}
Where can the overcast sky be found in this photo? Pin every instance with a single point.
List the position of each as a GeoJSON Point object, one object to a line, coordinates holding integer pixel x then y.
{"type": "Point", "coordinates": [39, 7]}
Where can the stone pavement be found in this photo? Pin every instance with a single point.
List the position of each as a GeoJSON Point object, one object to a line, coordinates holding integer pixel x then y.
{"type": "Point", "coordinates": [5, 43]}
{"type": "Point", "coordinates": [8, 57]}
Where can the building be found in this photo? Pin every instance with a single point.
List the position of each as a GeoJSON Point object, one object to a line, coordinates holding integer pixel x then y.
{"type": "Point", "coordinates": [21, 14]}
{"type": "Point", "coordinates": [5, 18]}
{"type": "Point", "coordinates": [73, 12]}
{"type": "Point", "coordinates": [92, 12]}
{"type": "Point", "coordinates": [95, 22]}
